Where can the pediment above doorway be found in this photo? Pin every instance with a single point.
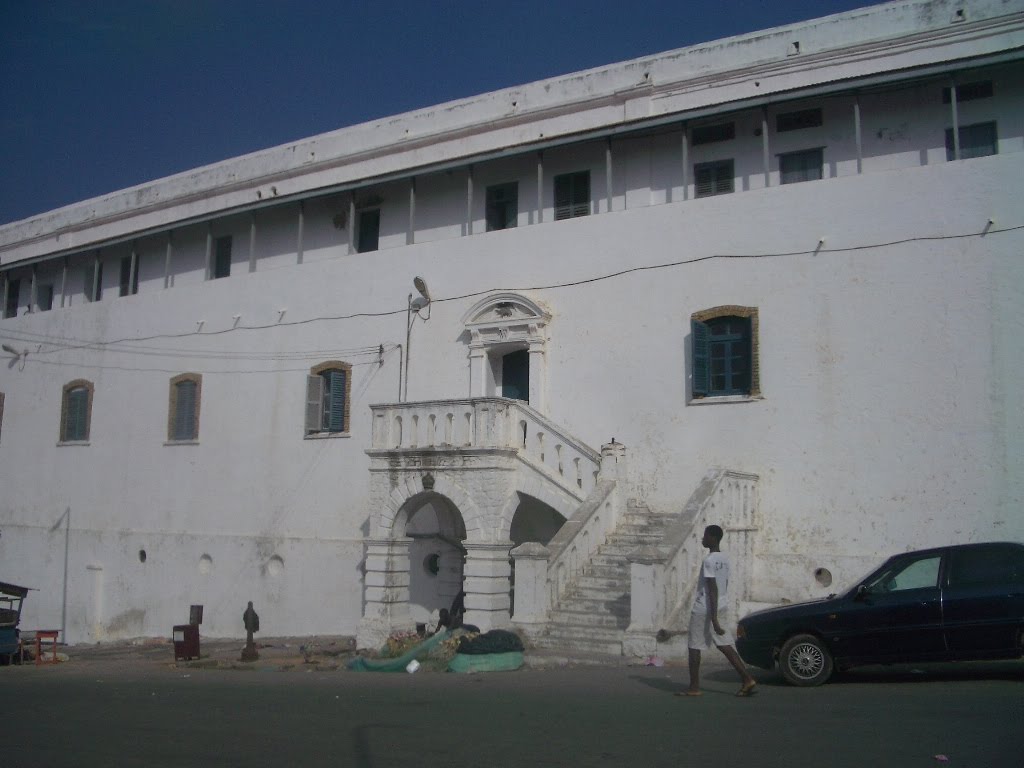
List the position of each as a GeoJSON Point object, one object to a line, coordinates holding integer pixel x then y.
{"type": "Point", "coordinates": [507, 346]}
{"type": "Point", "coordinates": [506, 311]}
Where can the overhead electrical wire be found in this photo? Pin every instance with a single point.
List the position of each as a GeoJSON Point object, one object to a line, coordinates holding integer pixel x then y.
{"type": "Point", "coordinates": [63, 344]}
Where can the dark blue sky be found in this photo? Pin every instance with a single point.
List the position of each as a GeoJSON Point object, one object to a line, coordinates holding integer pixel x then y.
{"type": "Point", "coordinates": [98, 95]}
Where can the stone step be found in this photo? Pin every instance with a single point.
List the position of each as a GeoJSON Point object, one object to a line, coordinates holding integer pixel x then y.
{"type": "Point", "coordinates": [579, 645]}
{"type": "Point", "coordinates": [585, 622]}
{"type": "Point", "coordinates": [596, 592]}
{"type": "Point", "coordinates": [617, 605]}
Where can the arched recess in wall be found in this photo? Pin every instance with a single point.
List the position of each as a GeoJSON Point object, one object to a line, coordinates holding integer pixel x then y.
{"type": "Point", "coordinates": [508, 335]}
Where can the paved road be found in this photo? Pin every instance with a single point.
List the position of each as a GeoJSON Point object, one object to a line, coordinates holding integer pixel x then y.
{"type": "Point", "coordinates": [154, 714]}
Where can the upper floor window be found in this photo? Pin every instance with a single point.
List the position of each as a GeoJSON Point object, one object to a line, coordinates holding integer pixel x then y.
{"type": "Point", "coordinates": [368, 230]}
{"type": "Point", "coordinates": [502, 206]}
{"type": "Point", "coordinates": [572, 195]}
{"type": "Point", "coordinates": [12, 288]}
{"type": "Point", "coordinates": [725, 351]}
{"type": "Point", "coordinates": [44, 297]}
{"type": "Point", "coordinates": [328, 392]}
{"type": "Point", "coordinates": [183, 408]}
{"type": "Point", "coordinates": [221, 258]}
{"type": "Point", "coordinates": [76, 411]}
{"type": "Point", "coordinates": [93, 287]}
{"type": "Point", "coordinates": [978, 140]}
{"type": "Point", "coordinates": [969, 92]}
{"type": "Point", "coordinates": [795, 121]}
{"type": "Point", "coordinates": [129, 282]}
{"type": "Point", "coordinates": [806, 165]}
{"type": "Point", "coordinates": [710, 134]}
{"type": "Point", "coordinates": [713, 178]}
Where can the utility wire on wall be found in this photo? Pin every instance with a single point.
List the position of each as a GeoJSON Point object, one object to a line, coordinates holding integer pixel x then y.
{"type": "Point", "coordinates": [63, 344]}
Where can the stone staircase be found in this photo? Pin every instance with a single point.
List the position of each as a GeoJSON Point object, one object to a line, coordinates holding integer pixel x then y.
{"type": "Point", "coordinates": [593, 614]}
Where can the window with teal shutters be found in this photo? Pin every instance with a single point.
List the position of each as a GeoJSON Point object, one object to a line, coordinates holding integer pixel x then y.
{"type": "Point", "coordinates": [185, 411]}
{"type": "Point", "coordinates": [334, 401]}
{"type": "Point", "coordinates": [699, 337]}
{"type": "Point", "coordinates": [75, 415]}
{"type": "Point", "coordinates": [327, 398]}
{"type": "Point", "coordinates": [183, 407]}
{"type": "Point", "coordinates": [723, 354]}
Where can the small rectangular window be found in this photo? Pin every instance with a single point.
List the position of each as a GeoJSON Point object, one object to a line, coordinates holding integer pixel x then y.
{"type": "Point", "coordinates": [184, 416]}
{"type": "Point", "coordinates": [795, 121]}
{"type": "Point", "coordinates": [795, 167]}
{"type": "Point", "coordinates": [502, 206]}
{"type": "Point", "coordinates": [129, 282]}
{"type": "Point", "coordinates": [710, 134]}
{"type": "Point", "coordinates": [713, 178]}
{"type": "Point", "coordinates": [969, 92]}
{"type": "Point", "coordinates": [76, 415]}
{"type": "Point", "coordinates": [1, 413]}
{"type": "Point", "coordinates": [94, 281]}
{"type": "Point", "coordinates": [369, 230]}
{"type": "Point", "coordinates": [11, 300]}
{"type": "Point", "coordinates": [978, 140]}
{"type": "Point", "coordinates": [572, 195]}
{"type": "Point", "coordinates": [44, 297]}
{"type": "Point", "coordinates": [222, 257]}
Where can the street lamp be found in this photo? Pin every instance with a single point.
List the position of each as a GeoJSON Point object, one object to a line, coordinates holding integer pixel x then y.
{"type": "Point", "coordinates": [421, 301]}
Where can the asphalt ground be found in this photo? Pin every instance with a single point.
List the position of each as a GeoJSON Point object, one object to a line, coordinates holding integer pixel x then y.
{"type": "Point", "coordinates": [134, 706]}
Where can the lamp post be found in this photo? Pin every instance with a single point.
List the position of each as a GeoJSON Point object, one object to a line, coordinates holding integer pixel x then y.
{"type": "Point", "coordinates": [423, 300]}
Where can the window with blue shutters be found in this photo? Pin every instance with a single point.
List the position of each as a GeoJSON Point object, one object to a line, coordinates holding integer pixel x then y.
{"type": "Point", "coordinates": [328, 390]}
{"type": "Point", "coordinates": [183, 410]}
{"type": "Point", "coordinates": [724, 352]}
{"type": "Point", "coordinates": [76, 411]}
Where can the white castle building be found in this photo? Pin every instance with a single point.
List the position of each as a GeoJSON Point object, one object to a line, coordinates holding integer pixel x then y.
{"type": "Point", "coordinates": [530, 343]}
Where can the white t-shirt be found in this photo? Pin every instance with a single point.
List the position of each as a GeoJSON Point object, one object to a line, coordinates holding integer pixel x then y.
{"type": "Point", "coordinates": [715, 566]}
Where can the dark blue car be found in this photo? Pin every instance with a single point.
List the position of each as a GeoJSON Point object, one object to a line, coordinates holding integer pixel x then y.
{"type": "Point", "coordinates": [952, 603]}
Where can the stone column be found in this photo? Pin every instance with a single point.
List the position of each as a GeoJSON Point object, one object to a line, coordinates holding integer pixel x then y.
{"type": "Point", "coordinates": [613, 461]}
{"type": "Point", "coordinates": [531, 598]}
{"type": "Point", "coordinates": [538, 369]}
{"type": "Point", "coordinates": [645, 601]}
{"type": "Point", "coordinates": [386, 591]}
{"type": "Point", "coordinates": [486, 581]}
{"type": "Point", "coordinates": [479, 373]}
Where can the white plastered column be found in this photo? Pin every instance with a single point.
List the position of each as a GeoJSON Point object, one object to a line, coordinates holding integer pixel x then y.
{"type": "Point", "coordinates": [486, 581]}
{"type": "Point", "coordinates": [387, 591]}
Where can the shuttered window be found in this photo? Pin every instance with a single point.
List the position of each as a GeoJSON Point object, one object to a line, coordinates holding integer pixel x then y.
{"type": "Point", "coordinates": [713, 178]}
{"type": "Point", "coordinates": [795, 167]}
{"type": "Point", "coordinates": [502, 206]}
{"type": "Point", "coordinates": [724, 352]}
{"type": "Point", "coordinates": [76, 412]}
{"type": "Point", "coordinates": [327, 399]}
{"type": "Point", "coordinates": [183, 408]}
{"type": "Point", "coordinates": [978, 140]}
{"type": "Point", "coordinates": [11, 300]}
{"type": "Point", "coordinates": [222, 257]}
{"type": "Point", "coordinates": [369, 231]}
{"type": "Point", "coordinates": [572, 195]}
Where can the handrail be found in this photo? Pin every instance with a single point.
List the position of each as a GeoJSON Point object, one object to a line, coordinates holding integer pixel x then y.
{"type": "Point", "coordinates": [724, 497]}
{"type": "Point", "coordinates": [580, 537]}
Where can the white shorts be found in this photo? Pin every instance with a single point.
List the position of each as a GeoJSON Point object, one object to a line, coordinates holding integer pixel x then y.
{"type": "Point", "coordinates": [703, 636]}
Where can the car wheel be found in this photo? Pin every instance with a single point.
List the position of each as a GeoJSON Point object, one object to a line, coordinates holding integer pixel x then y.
{"type": "Point", "coordinates": [805, 661]}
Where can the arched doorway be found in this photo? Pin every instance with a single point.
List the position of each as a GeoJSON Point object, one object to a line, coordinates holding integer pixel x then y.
{"type": "Point", "coordinates": [533, 521]}
{"type": "Point", "coordinates": [437, 556]}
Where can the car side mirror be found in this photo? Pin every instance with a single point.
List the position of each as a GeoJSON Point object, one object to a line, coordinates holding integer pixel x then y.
{"type": "Point", "coordinates": [862, 592]}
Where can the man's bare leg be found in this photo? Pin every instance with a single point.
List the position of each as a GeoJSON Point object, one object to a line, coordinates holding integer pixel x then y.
{"type": "Point", "coordinates": [694, 664]}
{"type": "Point", "coordinates": [749, 683]}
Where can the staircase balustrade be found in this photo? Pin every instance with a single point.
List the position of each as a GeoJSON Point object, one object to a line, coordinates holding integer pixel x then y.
{"type": "Point", "coordinates": [663, 578]}
{"type": "Point", "coordinates": [489, 422]}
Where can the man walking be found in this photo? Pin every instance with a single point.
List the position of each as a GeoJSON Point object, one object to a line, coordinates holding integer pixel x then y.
{"type": "Point", "coordinates": [710, 619]}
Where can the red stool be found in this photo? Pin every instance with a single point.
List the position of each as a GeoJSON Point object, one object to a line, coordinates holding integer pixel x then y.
{"type": "Point", "coordinates": [49, 635]}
